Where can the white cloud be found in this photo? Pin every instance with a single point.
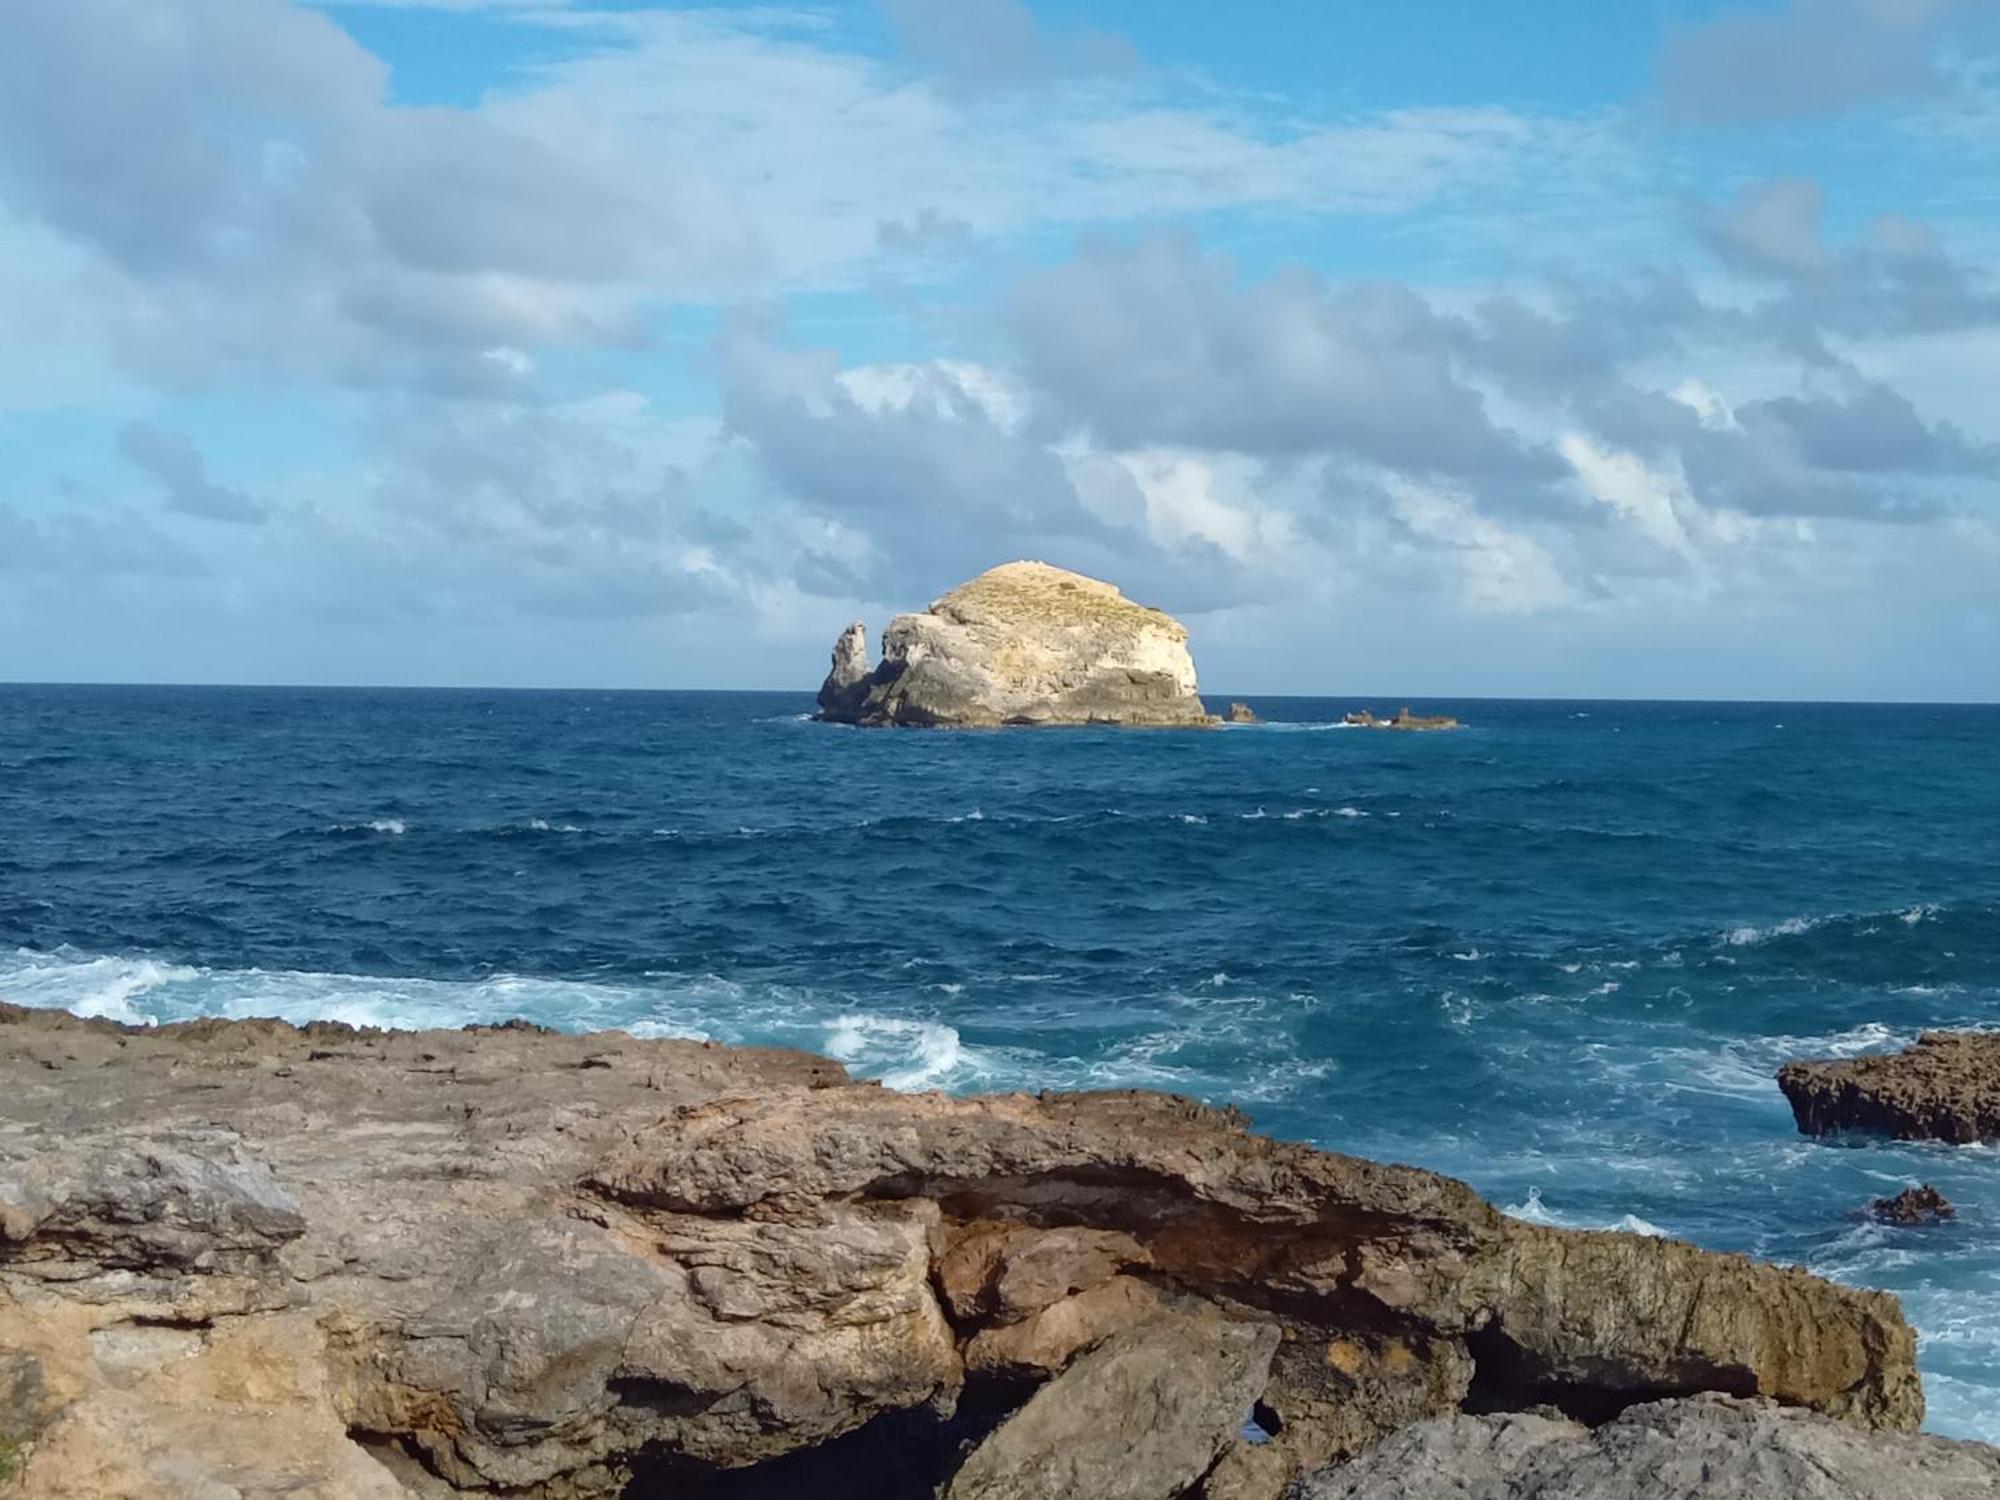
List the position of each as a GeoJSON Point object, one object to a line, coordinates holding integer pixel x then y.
{"type": "Point", "coordinates": [1499, 570]}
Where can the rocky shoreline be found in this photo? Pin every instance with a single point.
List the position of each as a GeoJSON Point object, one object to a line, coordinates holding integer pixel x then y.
{"type": "Point", "coordinates": [241, 1257]}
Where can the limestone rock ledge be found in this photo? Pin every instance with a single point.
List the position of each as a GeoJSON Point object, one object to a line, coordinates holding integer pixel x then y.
{"type": "Point", "coordinates": [1023, 643]}
{"type": "Point", "coordinates": [1696, 1448]}
{"type": "Point", "coordinates": [243, 1258]}
{"type": "Point", "coordinates": [1944, 1087]}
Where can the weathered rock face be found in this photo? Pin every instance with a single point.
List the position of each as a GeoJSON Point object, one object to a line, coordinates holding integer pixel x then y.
{"type": "Point", "coordinates": [1701, 1448]}
{"type": "Point", "coordinates": [846, 685]}
{"type": "Point", "coordinates": [1946, 1087]}
{"type": "Point", "coordinates": [1023, 643]}
{"type": "Point", "coordinates": [242, 1258]}
{"type": "Point", "coordinates": [1144, 1415]}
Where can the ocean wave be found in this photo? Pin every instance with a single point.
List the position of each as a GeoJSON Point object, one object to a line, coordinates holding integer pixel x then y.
{"type": "Point", "coordinates": [1745, 937]}
{"type": "Point", "coordinates": [902, 1054]}
{"type": "Point", "coordinates": [144, 991]}
{"type": "Point", "coordinates": [1533, 1210]}
{"type": "Point", "coordinates": [1857, 923]}
{"type": "Point", "coordinates": [395, 827]}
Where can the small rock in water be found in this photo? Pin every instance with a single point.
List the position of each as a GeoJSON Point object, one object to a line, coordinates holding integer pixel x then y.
{"type": "Point", "coordinates": [1242, 713]}
{"type": "Point", "coordinates": [1917, 1205]}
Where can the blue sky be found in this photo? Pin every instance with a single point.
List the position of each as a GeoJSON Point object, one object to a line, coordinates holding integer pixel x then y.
{"type": "Point", "coordinates": [1402, 346]}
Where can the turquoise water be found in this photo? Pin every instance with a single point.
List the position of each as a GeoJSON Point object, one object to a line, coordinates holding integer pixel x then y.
{"type": "Point", "coordinates": [1558, 954]}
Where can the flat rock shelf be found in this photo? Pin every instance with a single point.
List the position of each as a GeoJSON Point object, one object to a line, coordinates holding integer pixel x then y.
{"type": "Point", "coordinates": [244, 1257]}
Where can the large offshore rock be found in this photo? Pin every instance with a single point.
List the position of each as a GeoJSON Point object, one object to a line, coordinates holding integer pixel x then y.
{"type": "Point", "coordinates": [243, 1258]}
{"type": "Point", "coordinates": [1700, 1448]}
{"type": "Point", "coordinates": [1946, 1087]}
{"type": "Point", "coordinates": [1023, 643]}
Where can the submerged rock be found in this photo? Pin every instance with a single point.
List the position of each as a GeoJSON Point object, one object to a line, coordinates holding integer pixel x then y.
{"type": "Point", "coordinates": [1700, 1448]}
{"type": "Point", "coordinates": [1946, 1087]}
{"type": "Point", "coordinates": [241, 1257]}
{"type": "Point", "coordinates": [1403, 719]}
{"type": "Point", "coordinates": [1023, 643]}
{"type": "Point", "coordinates": [1917, 1205]}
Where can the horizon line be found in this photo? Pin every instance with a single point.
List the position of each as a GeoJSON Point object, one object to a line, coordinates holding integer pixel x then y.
{"type": "Point", "coordinates": [807, 692]}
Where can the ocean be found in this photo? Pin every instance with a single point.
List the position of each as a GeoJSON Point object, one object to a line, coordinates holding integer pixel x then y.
{"type": "Point", "coordinates": [1558, 954]}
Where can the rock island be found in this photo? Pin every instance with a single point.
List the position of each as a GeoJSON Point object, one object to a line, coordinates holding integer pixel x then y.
{"type": "Point", "coordinates": [1023, 643]}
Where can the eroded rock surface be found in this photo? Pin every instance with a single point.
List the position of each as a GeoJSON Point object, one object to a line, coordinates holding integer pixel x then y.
{"type": "Point", "coordinates": [1023, 643]}
{"type": "Point", "coordinates": [1946, 1087]}
{"type": "Point", "coordinates": [1143, 1415]}
{"type": "Point", "coordinates": [243, 1258]}
{"type": "Point", "coordinates": [846, 685]}
{"type": "Point", "coordinates": [1700, 1448]}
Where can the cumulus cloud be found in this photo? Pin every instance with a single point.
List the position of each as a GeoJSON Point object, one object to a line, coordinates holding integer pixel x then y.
{"type": "Point", "coordinates": [75, 543]}
{"type": "Point", "coordinates": [1158, 343]}
{"type": "Point", "coordinates": [172, 459]}
{"type": "Point", "coordinates": [1808, 57]}
{"type": "Point", "coordinates": [256, 201]}
{"type": "Point", "coordinates": [999, 43]}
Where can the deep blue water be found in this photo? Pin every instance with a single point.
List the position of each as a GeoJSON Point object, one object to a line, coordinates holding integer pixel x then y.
{"type": "Point", "coordinates": [1559, 954]}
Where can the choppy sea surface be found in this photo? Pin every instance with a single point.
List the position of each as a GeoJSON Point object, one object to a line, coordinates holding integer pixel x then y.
{"type": "Point", "coordinates": [1558, 954]}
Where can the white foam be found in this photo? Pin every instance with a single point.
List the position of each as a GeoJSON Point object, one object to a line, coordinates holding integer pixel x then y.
{"type": "Point", "coordinates": [1743, 937]}
{"type": "Point", "coordinates": [903, 1054]}
{"type": "Point", "coordinates": [1535, 1211]}
{"type": "Point", "coordinates": [106, 988]}
{"type": "Point", "coordinates": [543, 825]}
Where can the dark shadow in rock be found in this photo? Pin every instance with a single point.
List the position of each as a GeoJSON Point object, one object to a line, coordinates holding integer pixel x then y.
{"type": "Point", "coordinates": [1506, 1377]}
{"type": "Point", "coordinates": [900, 1455]}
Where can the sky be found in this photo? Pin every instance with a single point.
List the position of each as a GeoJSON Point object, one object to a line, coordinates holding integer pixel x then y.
{"type": "Point", "coordinates": [1423, 347]}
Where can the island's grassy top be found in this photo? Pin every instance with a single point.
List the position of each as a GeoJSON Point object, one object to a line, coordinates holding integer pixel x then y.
{"type": "Point", "coordinates": [1034, 593]}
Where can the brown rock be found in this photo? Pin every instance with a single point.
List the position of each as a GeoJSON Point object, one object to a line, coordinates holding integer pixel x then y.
{"type": "Point", "coordinates": [1005, 1271]}
{"type": "Point", "coordinates": [1402, 719]}
{"type": "Point", "coordinates": [1946, 1087]}
{"type": "Point", "coordinates": [242, 1257]}
{"type": "Point", "coordinates": [1141, 1417]}
{"type": "Point", "coordinates": [1049, 1339]}
{"type": "Point", "coordinates": [1241, 713]}
{"type": "Point", "coordinates": [1917, 1205]}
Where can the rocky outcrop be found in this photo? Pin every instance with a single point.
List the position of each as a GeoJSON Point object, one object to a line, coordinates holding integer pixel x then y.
{"type": "Point", "coordinates": [846, 685]}
{"type": "Point", "coordinates": [1023, 643]}
{"type": "Point", "coordinates": [1916, 1205]}
{"type": "Point", "coordinates": [1402, 719]}
{"type": "Point", "coordinates": [244, 1258]}
{"type": "Point", "coordinates": [1946, 1087]}
{"type": "Point", "coordinates": [1701, 1448]}
{"type": "Point", "coordinates": [1241, 713]}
